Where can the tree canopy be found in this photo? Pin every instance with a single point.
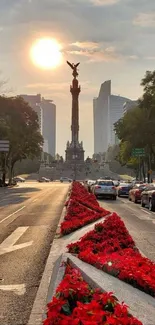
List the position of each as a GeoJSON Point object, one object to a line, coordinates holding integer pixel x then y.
{"type": "Point", "coordinates": [136, 129]}
{"type": "Point", "coordinates": [19, 124]}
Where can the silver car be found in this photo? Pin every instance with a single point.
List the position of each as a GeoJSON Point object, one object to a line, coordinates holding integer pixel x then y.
{"type": "Point", "coordinates": [105, 188]}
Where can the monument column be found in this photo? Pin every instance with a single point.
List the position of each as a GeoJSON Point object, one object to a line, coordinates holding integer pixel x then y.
{"type": "Point", "coordinates": [74, 149]}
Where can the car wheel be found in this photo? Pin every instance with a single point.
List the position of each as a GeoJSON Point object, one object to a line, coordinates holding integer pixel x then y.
{"type": "Point", "coordinates": [151, 206]}
{"type": "Point", "coordinates": [142, 204]}
{"type": "Point", "coordinates": [119, 195]}
{"type": "Point", "coordinates": [129, 198]}
{"type": "Point", "coordinates": [135, 201]}
{"type": "Point", "coordinates": [114, 197]}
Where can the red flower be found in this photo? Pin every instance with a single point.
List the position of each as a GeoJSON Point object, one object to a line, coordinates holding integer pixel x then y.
{"type": "Point", "coordinates": [88, 308]}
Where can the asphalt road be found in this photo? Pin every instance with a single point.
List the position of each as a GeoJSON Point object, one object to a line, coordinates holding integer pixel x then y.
{"type": "Point", "coordinates": [29, 215]}
{"type": "Point", "coordinates": [139, 221]}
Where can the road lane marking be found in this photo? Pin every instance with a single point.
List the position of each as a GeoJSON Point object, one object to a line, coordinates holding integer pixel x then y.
{"type": "Point", "coordinates": [145, 211]}
{"type": "Point", "coordinates": [18, 289]}
{"type": "Point", "coordinates": [8, 246]}
{"type": "Point", "coordinates": [10, 215]}
{"type": "Point", "coordinates": [34, 200]}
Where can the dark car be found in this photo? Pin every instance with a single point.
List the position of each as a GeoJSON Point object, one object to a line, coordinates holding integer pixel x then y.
{"type": "Point", "coordinates": [148, 197]}
{"type": "Point", "coordinates": [135, 192]}
{"type": "Point", "coordinates": [123, 189]}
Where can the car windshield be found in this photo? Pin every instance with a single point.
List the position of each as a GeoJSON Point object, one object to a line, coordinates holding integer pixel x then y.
{"type": "Point", "coordinates": [105, 183]}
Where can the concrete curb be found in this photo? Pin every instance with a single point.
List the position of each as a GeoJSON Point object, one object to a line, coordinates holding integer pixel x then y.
{"type": "Point", "coordinates": [51, 268]}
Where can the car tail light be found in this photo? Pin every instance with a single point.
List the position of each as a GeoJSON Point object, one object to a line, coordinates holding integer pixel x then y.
{"type": "Point", "coordinates": [120, 188]}
{"type": "Point", "coordinates": [97, 186]}
{"type": "Point", "coordinates": [113, 188]}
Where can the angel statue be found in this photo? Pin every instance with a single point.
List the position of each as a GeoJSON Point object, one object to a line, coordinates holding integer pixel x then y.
{"type": "Point", "coordinates": [74, 68]}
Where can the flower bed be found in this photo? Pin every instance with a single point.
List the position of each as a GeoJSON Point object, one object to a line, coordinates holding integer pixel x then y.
{"type": "Point", "coordinates": [82, 209]}
{"type": "Point", "coordinates": [110, 248]}
{"type": "Point", "coordinates": [78, 216]}
{"type": "Point", "coordinates": [80, 194]}
{"type": "Point", "coordinates": [76, 303]}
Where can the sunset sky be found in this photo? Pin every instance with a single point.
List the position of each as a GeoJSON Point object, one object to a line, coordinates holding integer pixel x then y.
{"type": "Point", "coordinates": [113, 39]}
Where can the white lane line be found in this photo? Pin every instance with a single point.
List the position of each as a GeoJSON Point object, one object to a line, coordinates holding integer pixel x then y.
{"type": "Point", "coordinates": [18, 289]}
{"type": "Point", "coordinates": [8, 246]}
{"type": "Point", "coordinates": [145, 211]}
{"type": "Point", "coordinates": [12, 214]}
{"type": "Point", "coordinates": [34, 200]}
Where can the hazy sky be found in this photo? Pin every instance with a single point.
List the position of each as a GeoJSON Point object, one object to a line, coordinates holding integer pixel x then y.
{"type": "Point", "coordinates": [113, 39]}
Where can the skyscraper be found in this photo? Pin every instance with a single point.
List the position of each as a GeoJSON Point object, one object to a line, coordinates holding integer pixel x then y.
{"type": "Point", "coordinates": [108, 109]}
{"type": "Point", "coordinates": [49, 125]}
{"type": "Point", "coordinates": [46, 111]}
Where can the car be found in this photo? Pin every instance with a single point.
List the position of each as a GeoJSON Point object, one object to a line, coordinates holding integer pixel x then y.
{"type": "Point", "coordinates": [65, 179]}
{"type": "Point", "coordinates": [148, 197]}
{"type": "Point", "coordinates": [104, 188]}
{"type": "Point", "coordinates": [19, 179]}
{"type": "Point", "coordinates": [135, 192]}
{"type": "Point", "coordinates": [123, 189]}
{"type": "Point", "coordinates": [44, 180]}
{"type": "Point", "coordinates": [90, 183]}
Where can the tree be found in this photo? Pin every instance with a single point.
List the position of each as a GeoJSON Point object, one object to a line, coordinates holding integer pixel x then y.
{"type": "Point", "coordinates": [19, 124]}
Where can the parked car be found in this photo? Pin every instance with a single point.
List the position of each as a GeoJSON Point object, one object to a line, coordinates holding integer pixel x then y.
{"type": "Point", "coordinates": [44, 180]}
{"type": "Point", "coordinates": [148, 197]}
{"type": "Point", "coordinates": [123, 189]}
{"type": "Point", "coordinates": [65, 179]}
{"type": "Point", "coordinates": [104, 188]}
{"type": "Point", "coordinates": [135, 192]}
{"type": "Point", "coordinates": [19, 179]}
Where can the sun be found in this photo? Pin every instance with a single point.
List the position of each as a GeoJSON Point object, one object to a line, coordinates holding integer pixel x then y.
{"type": "Point", "coordinates": [46, 53]}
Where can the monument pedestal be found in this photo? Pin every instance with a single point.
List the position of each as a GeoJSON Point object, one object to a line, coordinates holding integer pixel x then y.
{"type": "Point", "coordinates": [74, 152]}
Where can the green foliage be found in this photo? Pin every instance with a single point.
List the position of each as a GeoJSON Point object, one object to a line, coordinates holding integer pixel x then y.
{"type": "Point", "coordinates": [137, 128]}
{"type": "Point", "coordinates": [19, 124]}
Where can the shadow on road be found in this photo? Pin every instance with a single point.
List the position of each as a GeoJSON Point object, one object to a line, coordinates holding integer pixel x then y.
{"type": "Point", "coordinates": [15, 195]}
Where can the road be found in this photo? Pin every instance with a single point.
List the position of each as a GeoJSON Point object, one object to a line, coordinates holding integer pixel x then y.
{"type": "Point", "coordinates": [139, 221]}
{"type": "Point", "coordinates": [29, 215]}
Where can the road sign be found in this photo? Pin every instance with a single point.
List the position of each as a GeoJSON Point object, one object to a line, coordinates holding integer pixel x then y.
{"type": "Point", "coordinates": [138, 152]}
{"type": "Point", "coordinates": [4, 146]}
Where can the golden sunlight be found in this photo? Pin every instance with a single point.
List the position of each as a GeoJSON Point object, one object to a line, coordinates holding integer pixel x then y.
{"type": "Point", "coordinates": [46, 53]}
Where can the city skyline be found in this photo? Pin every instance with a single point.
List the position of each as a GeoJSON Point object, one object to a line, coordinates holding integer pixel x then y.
{"type": "Point", "coordinates": [105, 52]}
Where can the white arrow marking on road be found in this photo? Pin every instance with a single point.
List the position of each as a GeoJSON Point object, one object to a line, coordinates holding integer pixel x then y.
{"type": "Point", "coordinates": [13, 214]}
{"type": "Point", "coordinates": [18, 289]}
{"type": "Point", "coordinates": [8, 246]}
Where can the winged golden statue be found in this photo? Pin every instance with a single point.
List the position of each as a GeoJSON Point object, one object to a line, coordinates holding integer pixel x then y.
{"type": "Point", "coordinates": [74, 68]}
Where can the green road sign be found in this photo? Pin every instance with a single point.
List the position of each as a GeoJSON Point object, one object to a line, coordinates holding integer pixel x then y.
{"type": "Point", "coordinates": [138, 152]}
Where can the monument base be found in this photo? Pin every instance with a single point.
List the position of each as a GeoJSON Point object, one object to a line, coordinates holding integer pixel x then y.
{"type": "Point", "coordinates": [74, 152]}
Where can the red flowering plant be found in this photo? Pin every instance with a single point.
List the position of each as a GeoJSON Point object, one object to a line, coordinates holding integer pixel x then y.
{"type": "Point", "coordinates": [110, 248]}
{"type": "Point", "coordinates": [78, 216]}
{"type": "Point", "coordinates": [81, 194]}
{"type": "Point", "coordinates": [76, 303]}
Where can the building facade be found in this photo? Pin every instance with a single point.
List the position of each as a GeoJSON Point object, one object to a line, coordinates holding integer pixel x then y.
{"type": "Point", "coordinates": [129, 105]}
{"type": "Point", "coordinates": [107, 110]}
{"type": "Point", "coordinates": [49, 126]}
{"type": "Point", "coordinates": [46, 111]}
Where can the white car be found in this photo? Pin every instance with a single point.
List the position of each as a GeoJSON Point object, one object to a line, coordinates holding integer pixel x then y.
{"type": "Point", "coordinates": [44, 180]}
{"type": "Point", "coordinates": [105, 188]}
{"type": "Point", "coordinates": [19, 179]}
{"type": "Point", "coordinates": [65, 179]}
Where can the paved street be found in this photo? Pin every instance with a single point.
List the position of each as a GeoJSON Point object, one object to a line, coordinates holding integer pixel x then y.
{"type": "Point", "coordinates": [139, 221]}
{"type": "Point", "coordinates": [29, 215]}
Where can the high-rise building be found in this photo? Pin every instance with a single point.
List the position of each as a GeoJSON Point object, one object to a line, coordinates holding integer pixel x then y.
{"type": "Point", "coordinates": [35, 102]}
{"type": "Point", "coordinates": [129, 105]}
{"type": "Point", "coordinates": [49, 125]}
{"type": "Point", "coordinates": [108, 109]}
{"type": "Point", "coordinates": [46, 111]}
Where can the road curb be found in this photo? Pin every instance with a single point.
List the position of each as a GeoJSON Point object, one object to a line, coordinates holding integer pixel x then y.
{"type": "Point", "coordinates": [40, 302]}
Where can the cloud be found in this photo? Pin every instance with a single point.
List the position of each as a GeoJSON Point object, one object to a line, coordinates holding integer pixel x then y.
{"type": "Point", "coordinates": [104, 2]}
{"type": "Point", "coordinates": [88, 45]}
{"type": "Point", "coordinates": [145, 20]}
